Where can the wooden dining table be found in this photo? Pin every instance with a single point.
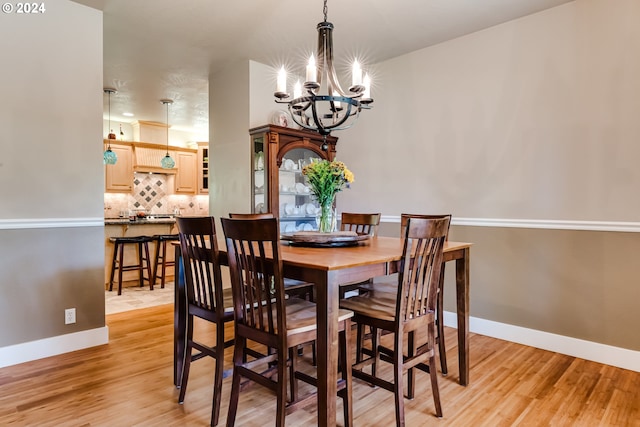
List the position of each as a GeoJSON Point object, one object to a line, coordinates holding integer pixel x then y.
{"type": "Point", "coordinates": [328, 268]}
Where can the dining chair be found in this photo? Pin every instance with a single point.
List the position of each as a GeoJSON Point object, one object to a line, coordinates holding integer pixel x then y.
{"type": "Point", "coordinates": [292, 287]}
{"type": "Point", "coordinates": [265, 316]}
{"type": "Point", "coordinates": [411, 312]}
{"type": "Point", "coordinates": [390, 284]}
{"type": "Point", "coordinates": [361, 223]}
{"type": "Point", "coordinates": [206, 299]}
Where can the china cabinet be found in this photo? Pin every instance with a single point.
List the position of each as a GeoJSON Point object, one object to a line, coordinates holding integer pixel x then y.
{"type": "Point", "coordinates": [119, 177]}
{"type": "Point", "coordinates": [278, 155]}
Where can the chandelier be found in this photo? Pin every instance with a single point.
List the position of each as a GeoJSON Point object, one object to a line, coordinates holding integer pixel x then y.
{"type": "Point", "coordinates": [334, 110]}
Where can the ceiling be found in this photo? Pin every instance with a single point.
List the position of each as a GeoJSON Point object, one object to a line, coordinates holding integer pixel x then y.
{"type": "Point", "coordinates": [156, 49]}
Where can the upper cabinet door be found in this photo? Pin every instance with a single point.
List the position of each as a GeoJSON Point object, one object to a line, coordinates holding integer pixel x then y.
{"type": "Point", "coordinates": [186, 176]}
{"type": "Point", "coordinates": [119, 177]}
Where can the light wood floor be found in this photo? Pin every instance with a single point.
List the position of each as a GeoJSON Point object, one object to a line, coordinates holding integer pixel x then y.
{"type": "Point", "coordinates": [129, 383]}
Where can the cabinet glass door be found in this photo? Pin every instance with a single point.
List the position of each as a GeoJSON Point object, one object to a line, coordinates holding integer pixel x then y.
{"type": "Point", "coordinates": [260, 190]}
{"type": "Point", "coordinates": [298, 208]}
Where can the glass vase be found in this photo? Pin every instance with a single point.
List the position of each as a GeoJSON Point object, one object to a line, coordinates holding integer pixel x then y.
{"type": "Point", "coordinates": [327, 218]}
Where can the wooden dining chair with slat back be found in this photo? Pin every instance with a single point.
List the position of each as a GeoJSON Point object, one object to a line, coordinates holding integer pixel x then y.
{"type": "Point", "coordinates": [292, 287]}
{"type": "Point", "coordinates": [263, 315]}
{"type": "Point", "coordinates": [206, 299]}
{"type": "Point", "coordinates": [391, 285]}
{"type": "Point", "coordinates": [411, 313]}
{"type": "Point", "coordinates": [361, 223]}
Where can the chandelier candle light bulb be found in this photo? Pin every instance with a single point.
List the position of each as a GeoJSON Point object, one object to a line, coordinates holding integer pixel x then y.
{"type": "Point", "coordinates": [366, 94]}
{"type": "Point", "coordinates": [297, 90]}
{"type": "Point", "coordinates": [282, 81]}
{"type": "Point", "coordinates": [356, 74]}
{"type": "Point", "coordinates": [312, 70]}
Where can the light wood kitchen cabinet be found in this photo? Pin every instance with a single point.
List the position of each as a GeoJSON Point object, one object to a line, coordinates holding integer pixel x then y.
{"type": "Point", "coordinates": [203, 168]}
{"type": "Point", "coordinates": [186, 181]}
{"type": "Point", "coordinates": [119, 177]}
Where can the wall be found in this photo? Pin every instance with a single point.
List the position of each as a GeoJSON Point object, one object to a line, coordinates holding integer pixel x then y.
{"type": "Point", "coordinates": [528, 133]}
{"type": "Point", "coordinates": [236, 103]}
{"type": "Point", "coordinates": [51, 230]}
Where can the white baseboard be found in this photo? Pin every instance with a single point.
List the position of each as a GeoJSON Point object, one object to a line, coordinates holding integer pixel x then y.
{"type": "Point", "coordinates": [39, 349]}
{"type": "Point", "coordinates": [596, 352]}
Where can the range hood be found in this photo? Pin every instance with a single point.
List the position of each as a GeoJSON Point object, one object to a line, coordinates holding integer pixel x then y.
{"type": "Point", "coordinates": [147, 159]}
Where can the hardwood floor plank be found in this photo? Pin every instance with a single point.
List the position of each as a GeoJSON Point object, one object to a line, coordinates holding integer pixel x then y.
{"type": "Point", "coordinates": [129, 382]}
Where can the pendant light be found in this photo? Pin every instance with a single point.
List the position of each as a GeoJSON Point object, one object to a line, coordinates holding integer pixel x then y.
{"type": "Point", "coordinates": [167, 162]}
{"type": "Point", "coordinates": [109, 157]}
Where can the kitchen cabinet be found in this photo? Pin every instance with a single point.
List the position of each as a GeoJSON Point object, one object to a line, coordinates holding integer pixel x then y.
{"type": "Point", "coordinates": [186, 175]}
{"type": "Point", "coordinates": [119, 177]}
{"type": "Point", "coordinates": [203, 168]}
{"type": "Point", "coordinates": [278, 186]}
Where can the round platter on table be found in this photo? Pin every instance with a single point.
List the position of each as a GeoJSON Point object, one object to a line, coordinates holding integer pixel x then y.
{"type": "Point", "coordinates": [316, 239]}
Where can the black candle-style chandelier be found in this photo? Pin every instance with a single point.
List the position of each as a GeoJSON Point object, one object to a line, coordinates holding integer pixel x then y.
{"type": "Point", "coordinates": [335, 110]}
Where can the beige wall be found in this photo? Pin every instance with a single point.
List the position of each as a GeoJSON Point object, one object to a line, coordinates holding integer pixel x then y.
{"type": "Point", "coordinates": [240, 97]}
{"type": "Point", "coordinates": [534, 119]}
{"type": "Point", "coordinates": [51, 173]}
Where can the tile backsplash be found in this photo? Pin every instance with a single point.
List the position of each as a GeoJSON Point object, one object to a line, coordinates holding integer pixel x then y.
{"type": "Point", "coordinates": [153, 193]}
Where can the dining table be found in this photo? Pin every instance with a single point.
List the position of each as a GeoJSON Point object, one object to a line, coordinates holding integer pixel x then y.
{"type": "Point", "coordinates": [328, 268]}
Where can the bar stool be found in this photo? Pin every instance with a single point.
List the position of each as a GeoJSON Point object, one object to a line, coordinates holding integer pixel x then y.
{"type": "Point", "coordinates": [160, 259]}
{"type": "Point", "coordinates": [143, 260]}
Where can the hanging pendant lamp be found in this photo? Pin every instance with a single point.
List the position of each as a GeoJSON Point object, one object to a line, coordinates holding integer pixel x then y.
{"type": "Point", "coordinates": [109, 157]}
{"type": "Point", "coordinates": [167, 162]}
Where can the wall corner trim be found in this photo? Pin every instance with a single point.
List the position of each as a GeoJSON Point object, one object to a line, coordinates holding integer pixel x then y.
{"type": "Point", "coordinates": [588, 350]}
{"type": "Point", "coordinates": [53, 346]}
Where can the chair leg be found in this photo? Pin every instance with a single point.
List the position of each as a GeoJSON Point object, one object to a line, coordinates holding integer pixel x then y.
{"type": "Point", "coordinates": [359, 341]}
{"type": "Point", "coordinates": [186, 364]}
{"type": "Point", "coordinates": [435, 390]}
{"type": "Point", "coordinates": [281, 388]}
{"type": "Point", "coordinates": [375, 339]}
{"type": "Point", "coordinates": [238, 357]}
{"type": "Point", "coordinates": [164, 264]}
{"type": "Point", "coordinates": [113, 266]}
{"type": "Point", "coordinates": [217, 382]}
{"type": "Point", "coordinates": [397, 379]}
{"type": "Point", "coordinates": [411, 372]}
{"type": "Point", "coordinates": [148, 265]}
{"type": "Point", "coordinates": [345, 362]}
{"type": "Point", "coordinates": [293, 383]}
{"type": "Point", "coordinates": [156, 260]}
{"type": "Point", "coordinates": [442, 351]}
{"type": "Point", "coordinates": [120, 260]}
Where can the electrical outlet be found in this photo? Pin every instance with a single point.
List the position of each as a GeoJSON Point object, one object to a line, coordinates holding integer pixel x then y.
{"type": "Point", "coordinates": [69, 316]}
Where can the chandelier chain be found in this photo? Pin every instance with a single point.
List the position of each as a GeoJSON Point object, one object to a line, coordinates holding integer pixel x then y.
{"type": "Point", "coordinates": [325, 10]}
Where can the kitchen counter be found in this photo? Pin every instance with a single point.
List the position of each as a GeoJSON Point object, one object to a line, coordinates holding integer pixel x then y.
{"type": "Point", "coordinates": [145, 221]}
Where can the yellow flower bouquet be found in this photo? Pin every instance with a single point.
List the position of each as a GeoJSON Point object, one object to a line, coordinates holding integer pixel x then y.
{"type": "Point", "coordinates": [325, 180]}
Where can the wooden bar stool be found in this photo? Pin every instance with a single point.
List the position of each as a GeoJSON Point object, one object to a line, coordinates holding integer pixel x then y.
{"type": "Point", "coordinates": [143, 260]}
{"type": "Point", "coordinates": [160, 258]}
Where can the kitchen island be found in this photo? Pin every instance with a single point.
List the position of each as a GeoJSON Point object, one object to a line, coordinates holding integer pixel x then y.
{"type": "Point", "coordinates": [123, 227]}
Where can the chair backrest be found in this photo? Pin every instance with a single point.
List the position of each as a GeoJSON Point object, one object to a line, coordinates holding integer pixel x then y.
{"type": "Point", "coordinates": [419, 271]}
{"type": "Point", "coordinates": [251, 215]}
{"type": "Point", "coordinates": [203, 280]}
{"type": "Point", "coordinates": [405, 217]}
{"type": "Point", "coordinates": [361, 223]}
{"type": "Point", "coordinates": [256, 277]}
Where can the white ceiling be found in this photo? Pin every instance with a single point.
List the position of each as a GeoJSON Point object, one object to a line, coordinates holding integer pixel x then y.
{"type": "Point", "coordinates": [156, 49]}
